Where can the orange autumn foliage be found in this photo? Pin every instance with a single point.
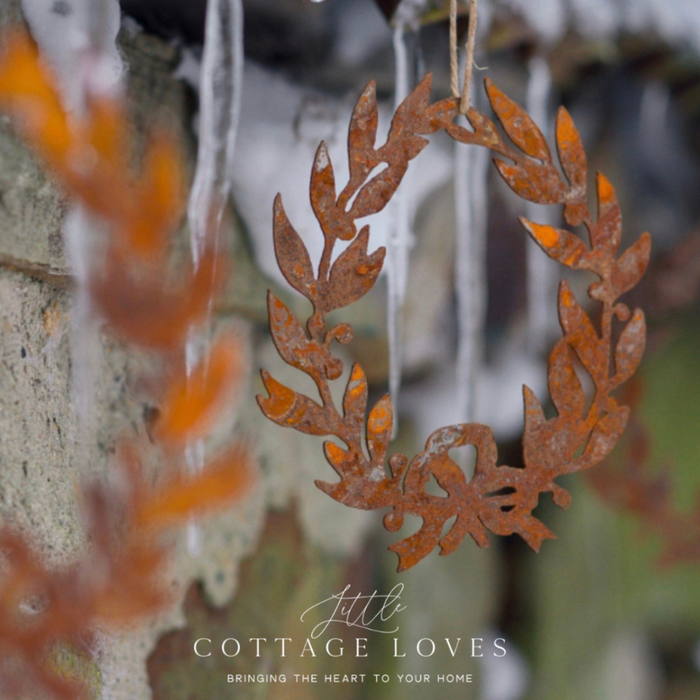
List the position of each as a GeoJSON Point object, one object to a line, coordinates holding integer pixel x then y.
{"type": "Point", "coordinates": [192, 403]}
{"type": "Point", "coordinates": [184, 497]}
{"type": "Point", "coordinates": [117, 582]}
{"type": "Point", "coordinates": [118, 579]}
{"type": "Point", "coordinates": [89, 154]}
{"type": "Point", "coordinates": [143, 308]}
{"type": "Point", "coordinates": [132, 288]}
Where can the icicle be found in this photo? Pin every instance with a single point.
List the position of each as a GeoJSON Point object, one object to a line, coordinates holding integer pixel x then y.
{"type": "Point", "coordinates": [79, 231]}
{"type": "Point", "coordinates": [541, 271]}
{"type": "Point", "coordinates": [100, 74]}
{"type": "Point", "coordinates": [471, 213]}
{"type": "Point", "coordinates": [80, 45]}
{"type": "Point", "coordinates": [407, 53]}
{"type": "Point", "coordinates": [220, 106]}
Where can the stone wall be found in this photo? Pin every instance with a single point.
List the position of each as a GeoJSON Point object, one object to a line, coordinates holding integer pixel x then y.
{"type": "Point", "coordinates": [45, 454]}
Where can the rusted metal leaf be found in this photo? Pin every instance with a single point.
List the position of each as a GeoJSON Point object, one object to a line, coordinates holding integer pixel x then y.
{"type": "Point", "coordinates": [499, 499]}
{"type": "Point", "coordinates": [288, 335]}
{"type": "Point", "coordinates": [604, 436]}
{"type": "Point", "coordinates": [341, 460]}
{"type": "Point", "coordinates": [335, 223]}
{"type": "Point", "coordinates": [580, 332]}
{"type": "Point", "coordinates": [631, 265]}
{"type": "Point", "coordinates": [572, 156]}
{"type": "Point", "coordinates": [290, 409]}
{"type": "Point", "coordinates": [607, 232]}
{"type": "Point", "coordinates": [563, 246]}
{"type": "Point", "coordinates": [564, 385]}
{"type": "Point", "coordinates": [355, 398]}
{"type": "Point", "coordinates": [379, 427]}
{"type": "Point", "coordinates": [375, 195]}
{"type": "Point", "coordinates": [354, 272]}
{"type": "Point", "coordinates": [293, 258]}
{"type": "Point", "coordinates": [295, 348]}
{"type": "Point", "coordinates": [484, 131]}
{"type": "Point", "coordinates": [629, 351]}
{"type": "Point", "coordinates": [413, 110]}
{"type": "Point", "coordinates": [147, 310]}
{"type": "Point", "coordinates": [524, 181]}
{"type": "Point", "coordinates": [439, 116]}
{"type": "Point", "coordinates": [363, 134]}
{"type": "Point", "coordinates": [521, 129]}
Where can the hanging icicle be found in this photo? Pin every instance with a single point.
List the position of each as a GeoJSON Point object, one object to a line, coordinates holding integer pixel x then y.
{"type": "Point", "coordinates": [541, 271]}
{"type": "Point", "coordinates": [406, 43]}
{"type": "Point", "coordinates": [220, 106]}
{"type": "Point", "coordinates": [219, 111]}
{"type": "Point", "coordinates": [471, 216]}
{"type": "Point", "coordinates": [81, 48]}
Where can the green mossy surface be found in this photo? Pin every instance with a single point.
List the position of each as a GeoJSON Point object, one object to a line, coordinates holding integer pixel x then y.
{"type": "Point", "coordinates": [600, 602]}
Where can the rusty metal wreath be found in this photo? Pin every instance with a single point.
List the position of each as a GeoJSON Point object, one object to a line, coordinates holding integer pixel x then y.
{"type": "Point", "coordinates": [497, 498]}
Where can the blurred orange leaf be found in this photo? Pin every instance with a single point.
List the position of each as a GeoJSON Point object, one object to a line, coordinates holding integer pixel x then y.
{"type": "Point", "coordinates": [192, 403]}
{"type": "Point", "coordinates": [140, 308]}
{"type": "Point", "coordinates": [89, 155]}
{"type": "Point", "coordinates": [216, 486]}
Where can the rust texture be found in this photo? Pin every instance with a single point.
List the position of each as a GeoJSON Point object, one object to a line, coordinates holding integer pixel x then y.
{"type": "Point", "coordinates": [499, 499]}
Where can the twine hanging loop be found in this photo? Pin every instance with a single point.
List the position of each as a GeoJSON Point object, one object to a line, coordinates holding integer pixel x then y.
{"type": "Point", "coordinates": [463, 95]}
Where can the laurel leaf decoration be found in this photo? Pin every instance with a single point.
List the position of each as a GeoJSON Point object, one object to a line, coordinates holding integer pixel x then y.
{"type": "Point", "coordinates": [572, 155]}
{"type": "Point", "coordinates": [564, 385]}
{"type": "Point", "coordinates": [355, 397]}
{"type": "Point", "coordinates": [288, 335]}
{"type": "Point", "coordinates": [524, 181]}
{"type": "Point", "coordinates": [630, 267]}
{"type": "Point", "coordinates": [628, 351]}
{"type": "Point", "coordinates": [607, 232]}
{"type": "Point", "coordinates": [518, 124]}
{"type": "Point", "coordinates": [334, 221]}
{"type": "Point", "coordinates": [363, 134]}
{"type": "Point", "coordinates": [292, 256]}
{"type": "Point", "coordinates": [499, 499]}
{"type": "Point", "coordinates": [563, 246]}
{"type": "Point", "coordinates": [354, 272]}
{"type": "Point", "coordinates": [380, 424]}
